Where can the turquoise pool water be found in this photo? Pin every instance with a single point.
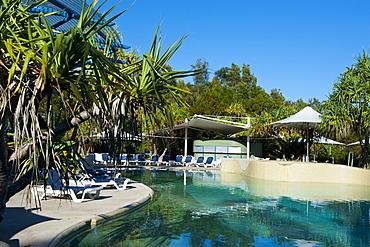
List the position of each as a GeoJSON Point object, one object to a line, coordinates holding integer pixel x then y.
{"type": "Point", "coordinates": [214, 209]}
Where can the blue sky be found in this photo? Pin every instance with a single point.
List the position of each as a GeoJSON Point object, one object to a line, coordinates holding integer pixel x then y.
{"type": "Point", "coordinates": [297, 46]}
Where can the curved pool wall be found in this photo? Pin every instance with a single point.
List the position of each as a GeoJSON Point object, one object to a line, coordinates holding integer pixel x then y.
{"type": "Point", "coordinates": [123, 203]}
{"type": "Point", "coordinates": [296, 190]}
{"type": "Point", "coordinates": [286, 171]}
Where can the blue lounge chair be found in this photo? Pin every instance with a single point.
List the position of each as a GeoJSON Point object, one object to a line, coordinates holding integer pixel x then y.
{"type": "Point", "coordinates": [57, 188]}
{"type": "Point", "coordinates": [209, 162]}
{"type": "Point", "coordinates": [177, 160]}
{"type": "Point", "coordinates": [165, 160]}
{"type": "Point", "coordinates": [105, 182]}
{"type": "Point", "coordinates": [105, 178]}
{"type": "Point", "coordinates": [91, 156]}
{"type": "Point", "coordinates": [200, 161]}
{"type": "Point", "coordinates": [187, 161]}
{"type": "Point", "coordinates": [106, 158]}
{"type": "Point", "coordinates": [139, 159]}
{"type": "Point", "coordinates": [153, 160]}
{"type": "Point", "coordinates": [87, 165]}
{"type": "Point", "coordinates": [101, 158]}
{"type": "Point", "coordinates": [119, 158]}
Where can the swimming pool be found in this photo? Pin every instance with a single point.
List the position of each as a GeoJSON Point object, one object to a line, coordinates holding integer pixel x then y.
{"type": "Point", "coordinates": [209, 208]}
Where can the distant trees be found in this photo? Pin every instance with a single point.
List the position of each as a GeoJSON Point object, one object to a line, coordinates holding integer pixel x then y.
{"type": "Point", "coordinates": [232, 91]}
{"type": "Point", "coordinates": [213, 101]}
{"type": "Point", "coordinates": [202, 77]}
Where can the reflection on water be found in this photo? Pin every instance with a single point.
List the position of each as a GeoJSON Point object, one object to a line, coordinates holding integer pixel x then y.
{"type": "Point", "coordinates": [215, 209]}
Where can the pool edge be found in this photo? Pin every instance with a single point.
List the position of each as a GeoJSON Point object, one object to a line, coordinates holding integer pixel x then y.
{"type": "Point", "coordinates": [297, 171]}
{"type": "Point", "coordinates": [101, 218]}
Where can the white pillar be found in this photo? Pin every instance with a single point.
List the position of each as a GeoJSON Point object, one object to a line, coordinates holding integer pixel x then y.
{"type": "Point", "coordinates": [308, 146]}
{"type": "Point", "coordinates": [248, 140]}
{"type": "Point", "coordinates": [186, 140]}
{"type": "Point", "coordinates": [248, 147]}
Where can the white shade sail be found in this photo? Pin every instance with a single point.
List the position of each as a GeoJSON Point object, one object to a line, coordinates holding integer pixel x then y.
{"type": "Point", "coordinates": [123, 135]}
{"type": "Point", "coordinates": [357, 143]}
{"type": "Point", "coordinates": [324, 140]}
{"type": "Point", "coordinates": [220, 126]}
{"type": "Point", "coordinates": [305, 119]}
{"type": "Point", "coordinates": [199, 122]}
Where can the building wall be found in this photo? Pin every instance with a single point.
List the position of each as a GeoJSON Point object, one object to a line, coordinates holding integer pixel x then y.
{"type": "Point", "coordinates": [224, 149]}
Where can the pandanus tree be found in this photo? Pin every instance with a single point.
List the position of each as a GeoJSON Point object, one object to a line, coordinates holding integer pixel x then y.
{"type": "Point", "coordinates": [45, 73]}
{"type": "Point", "coordinates": [39, 65]}
{"type": "Point", "coordinates": [347, 109]}
{"type": "Point", "coordinates": [144, 88]}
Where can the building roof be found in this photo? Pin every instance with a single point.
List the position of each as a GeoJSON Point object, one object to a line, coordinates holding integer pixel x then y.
{"type": "Point", "coordinates": [68, 15]}
{"type": "Point", "coordinates": [212, 124]}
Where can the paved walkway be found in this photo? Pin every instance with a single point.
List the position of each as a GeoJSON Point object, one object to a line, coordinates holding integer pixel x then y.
{"type": "Point", "coordinates": [25, 225]}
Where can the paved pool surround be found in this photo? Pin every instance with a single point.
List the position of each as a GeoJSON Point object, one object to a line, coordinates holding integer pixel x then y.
{"type": "Point", "coordinates": [289, 171]}
{"type": "Point", "coordinates": [25, 224]}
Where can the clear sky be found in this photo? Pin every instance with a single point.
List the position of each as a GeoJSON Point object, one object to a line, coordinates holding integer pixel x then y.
{"type": "Point", "coordinates": [297, 46]}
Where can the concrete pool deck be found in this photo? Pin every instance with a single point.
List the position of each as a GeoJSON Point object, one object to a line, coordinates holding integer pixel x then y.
{"type": "Point", "coordinates": [25, 225]}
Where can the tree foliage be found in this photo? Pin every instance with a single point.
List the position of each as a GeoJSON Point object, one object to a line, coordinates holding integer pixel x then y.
{"type": "Point", "coordinates": [38, 64]}
{"type": "Point", "coordinates": [213, 101]}
{"type": "Point", "coordinates": [202, 77]}
{"type": "Point", "coordinates": [347, 109]}
{"type": "Point", "coordinates": [52, 82]}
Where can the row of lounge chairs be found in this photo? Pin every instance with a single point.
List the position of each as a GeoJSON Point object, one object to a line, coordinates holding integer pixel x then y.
{"type": "Point", "coordinates": [89, 181]}
{"type": "Point", "coordinates": [87, 184]}
{"type": "Point", "coordinates": [191, 161]}
{"type": "Point", "coordinates": [57, 187]}
{"type": "Point", "coordinates": [104, 158]}
{"type": "Point", "coordinates": [139, 159]}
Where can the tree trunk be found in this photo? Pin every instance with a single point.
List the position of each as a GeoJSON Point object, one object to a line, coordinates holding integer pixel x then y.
{"type": "Point", "coordinates": [22, 152]}
{"type": "Point", "coordinates": [4, 168]}
{"type": "Point", "coordinates": [364, 158]}
{"type": "Point", "coordinates": [8, 187]}
{"type": "Point", "coordinates": [366, 150]}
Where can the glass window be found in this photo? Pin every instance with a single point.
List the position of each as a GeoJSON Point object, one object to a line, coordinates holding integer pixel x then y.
{"type": "Point", "coordinates": [198, 149]}
{"type": "Point", "coordinates": [235, 150]}
{"type": "Point", "coordinates": [209, 149]}
{"type": "Point", "coordinates": [221, 149]}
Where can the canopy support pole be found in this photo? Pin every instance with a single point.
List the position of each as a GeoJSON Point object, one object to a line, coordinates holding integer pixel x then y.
{"type": "Point", "coordinates": [308, 146]}
{"type": "Point", "coordinates": [248, 140]}
{"type": "Point", "coordinates": [186, 140]}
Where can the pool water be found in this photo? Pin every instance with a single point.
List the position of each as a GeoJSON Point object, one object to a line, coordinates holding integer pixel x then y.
{"type": "Point", "coordinates": [209, 208]}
